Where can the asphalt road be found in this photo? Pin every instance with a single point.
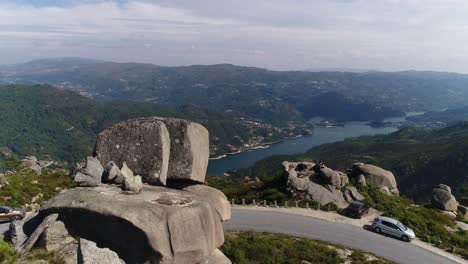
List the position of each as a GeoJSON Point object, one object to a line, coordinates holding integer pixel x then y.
{"type": "Point", "coordinates": [343, 234]}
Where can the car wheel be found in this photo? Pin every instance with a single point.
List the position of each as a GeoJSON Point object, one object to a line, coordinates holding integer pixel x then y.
{"type": "Point", "coordinates": [16, 218]}
{"type": "Point", "coordinates": [405, 238]}
{"type": "Point", "coordinates": [377, 230]}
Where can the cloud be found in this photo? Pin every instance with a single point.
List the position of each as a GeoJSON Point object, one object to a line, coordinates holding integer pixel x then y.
{"type": "Point", "coordinates": [294, 34]}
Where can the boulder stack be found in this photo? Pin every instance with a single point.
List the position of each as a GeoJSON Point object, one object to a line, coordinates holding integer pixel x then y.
{"type": "Point", "coordinates": [443, 199]}
{"type": "Point", "coordinates": [306, 180]}
{"type": "Point", "coordinates": [154, 224]}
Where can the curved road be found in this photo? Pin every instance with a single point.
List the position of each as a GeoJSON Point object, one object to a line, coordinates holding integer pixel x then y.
{"type": "Point", "coordinates": [342, 234]}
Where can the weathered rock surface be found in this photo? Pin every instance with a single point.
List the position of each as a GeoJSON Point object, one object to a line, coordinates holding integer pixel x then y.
{"type": "Point", "coordinates": [361, 180]}
{"type": "Point", "coordinates": [330, 177]}
{"type": "Point", "coordinates": [144, 144]}
{"type": "Point", "coordinates": [214, 197]}
{"type": "Point", "coordinates": [158, 225]}
{"type": "Point", "coordinates": [111, 172]}
{"type": "Point", "coordinates": [443, 199]}
{"type": "Point", "coordinates": [375, 177]}
{"type": "Point", "coordinates": [88, 172]}
{"type": "Point", "coordinates": [90, 253]}
{"type": "Point", "coordinates": [32, 163]}
{"type": "Point", "coordinates": [34, 236]}
{"type": "Point", "coordinates": [16, 234]}
{"type": "Point", "coordinates": [323, 185]}
{"type": "Point", "coordinates": [133, 185]}
{"type": "Point", "coordinates": [353, 192]}
{"type": "Point", "coordinates": [217, 257]}
{"type": "Point", "coordinates": [57, 239]}
{"type": "Point", "coordinates": [190, 151]}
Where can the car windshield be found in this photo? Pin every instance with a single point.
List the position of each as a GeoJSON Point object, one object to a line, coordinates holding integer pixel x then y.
{"type": "Point", "coordinates": [355, 205]}
{"type": "Point", "coordinates": [401, 226]}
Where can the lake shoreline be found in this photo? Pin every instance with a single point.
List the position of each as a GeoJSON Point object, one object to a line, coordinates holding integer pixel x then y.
{"type": "Point", "coordinates": [256, 146]}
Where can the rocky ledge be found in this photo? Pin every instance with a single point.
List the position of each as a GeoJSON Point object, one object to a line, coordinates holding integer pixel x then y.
{"type": "Point", "coordinates": [114, 216]}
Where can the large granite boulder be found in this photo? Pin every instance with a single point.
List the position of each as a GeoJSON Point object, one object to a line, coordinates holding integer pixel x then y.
{"type": "Point", "coordinates": [88, 173]}
{"type": "Point", "coordinates": [158, 225]}
{"type": "Point", "coordinates": [443, 199]}
{"type": "Point", "coordinates": [375, 177]}
{"type": "Point", "coordinates": [144, 144]}
{"type": "Point", "coordinates": [190, 150]}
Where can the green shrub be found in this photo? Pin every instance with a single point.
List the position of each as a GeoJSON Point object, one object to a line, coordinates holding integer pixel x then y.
{"type": "Point", "coordinates": [7, 253]}
{"type": "Point", "coordinates": [49, 257]}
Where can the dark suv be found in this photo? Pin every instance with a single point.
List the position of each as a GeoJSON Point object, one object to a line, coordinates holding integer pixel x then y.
{"type": "Point", "coordinates": [357, 209]}
{"type": "Point", "coordinates": [10, 213]}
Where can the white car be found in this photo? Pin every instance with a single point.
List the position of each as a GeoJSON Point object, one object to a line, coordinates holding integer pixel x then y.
{"type": "Point", "coordinates": [392, 227]}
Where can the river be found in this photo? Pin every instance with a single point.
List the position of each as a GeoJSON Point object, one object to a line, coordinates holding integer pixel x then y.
{"type": "Point", "coordinates": [321, 136]}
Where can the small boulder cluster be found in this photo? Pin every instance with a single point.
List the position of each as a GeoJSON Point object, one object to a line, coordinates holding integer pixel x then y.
{"type": "Point", "coordinates": [307, 180]}
{"type": "Point", "coordinates": [91, 173]}
{"type": "Point", "coordinates": [171, 216]}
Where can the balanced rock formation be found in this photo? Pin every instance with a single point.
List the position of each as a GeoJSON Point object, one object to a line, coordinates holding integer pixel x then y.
{"type": "Point", "coordinates": [443, 199]}
{"type": "Point", "coordinates": [143, 144]}
{"type": "Point", "coordinates": [101, 223]}
{"type": "Point", "coordinates": [306, 180]}
{"type": "Point", "coordinates": [375, 177]}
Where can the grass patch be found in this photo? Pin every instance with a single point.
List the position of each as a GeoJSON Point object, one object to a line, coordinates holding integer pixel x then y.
{"type": "Point", "coordinates": [7, 254]}
{"type": "Point", "coordinates": [267, 248]}
{"type": "Point", "coordinates": [22, 187]}
{"type": "Point", "coordinates": [42, 255]}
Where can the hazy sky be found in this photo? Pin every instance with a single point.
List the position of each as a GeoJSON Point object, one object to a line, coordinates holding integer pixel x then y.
{"type": "Point", "coordinates": [276, 34]}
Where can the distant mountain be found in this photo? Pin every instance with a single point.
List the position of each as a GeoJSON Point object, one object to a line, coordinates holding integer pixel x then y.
{"type": "Point", "coordinates": [420, 158]}
{"type": "Point", "coordinates": [447, 117]}
{"type": "Point", "coordinates": [339, 70]}
{"type": "Point", "coordinates": [253, 92]}
{"type": "Point", "coordinates": [42, 120]}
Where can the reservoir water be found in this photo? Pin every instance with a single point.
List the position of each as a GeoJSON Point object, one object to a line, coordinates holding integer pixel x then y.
{"type": "Point", "coordinates": [321, 136]}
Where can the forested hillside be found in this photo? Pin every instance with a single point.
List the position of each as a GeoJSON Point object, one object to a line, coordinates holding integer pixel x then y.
{"type": "Point", "coordinates": [420, 158]}
{"type": "Point", "coordinates": [41, 120]}
{"type": "Point", "coordinates": [252, 92]}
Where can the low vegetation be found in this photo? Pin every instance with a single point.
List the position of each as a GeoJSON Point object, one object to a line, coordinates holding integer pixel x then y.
{"type": "Point", "coordinates": [266, 248]}
{"type": "Point", "coordinates": [429, 224]}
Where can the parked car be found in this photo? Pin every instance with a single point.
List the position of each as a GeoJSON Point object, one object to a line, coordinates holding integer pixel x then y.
{"type": "Point", "coordinates": [10, 213]}
{"type": "Point", "coordinates": [392, 227]}
{"type": "Point", "coordinates": [357, 209]}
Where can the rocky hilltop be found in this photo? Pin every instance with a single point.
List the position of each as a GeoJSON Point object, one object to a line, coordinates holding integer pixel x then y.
{"type": "Point", "coordinates": [310, 181]}
{"type": "Point", "coordinates": [139, 199]}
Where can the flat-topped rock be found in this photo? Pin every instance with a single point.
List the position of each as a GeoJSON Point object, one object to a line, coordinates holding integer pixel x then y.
{"type": "Point", "coordinates": [158, 225]}
{"type": "Point", "coordinates": [144, 144]}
